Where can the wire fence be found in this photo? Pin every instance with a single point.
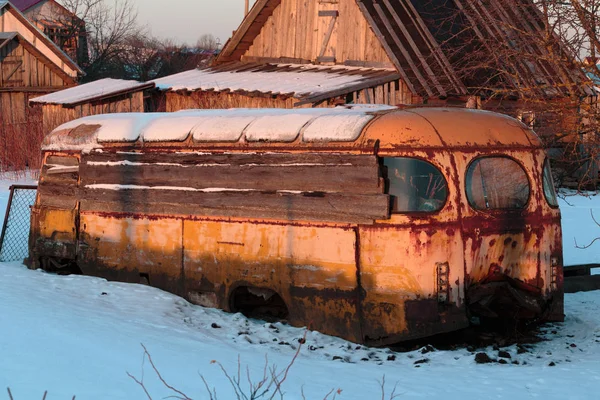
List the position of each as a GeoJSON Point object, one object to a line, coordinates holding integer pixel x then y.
{"type": "Point", "coordinates": [14, 241]}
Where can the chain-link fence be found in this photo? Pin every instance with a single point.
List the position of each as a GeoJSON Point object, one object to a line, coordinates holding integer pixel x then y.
{"type": "Point", "coordinates": [14, 242]}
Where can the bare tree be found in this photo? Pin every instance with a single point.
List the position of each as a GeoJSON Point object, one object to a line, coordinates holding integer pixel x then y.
{"type": "Point", "coordinates": [101, 29]}
{"type": "Point", "coordinates": [141, 58]}
{"type": "Point", "coordinates": [208, 42]}
{"type": "Point", "coordinates": [535, 60]}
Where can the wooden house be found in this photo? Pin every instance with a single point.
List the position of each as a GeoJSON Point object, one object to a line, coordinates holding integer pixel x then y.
{"type": "Point", "coordinates": [62, 26]}
{"type": "Point", "coordinates": [104, 96]}
{"type": "Point", "coordinates": [30, 65]}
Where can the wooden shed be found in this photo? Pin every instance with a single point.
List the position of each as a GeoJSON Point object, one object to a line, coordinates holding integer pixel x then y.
{"type": "Point", "coordinates": [398, 52]}
{"type": "Point", "coordinates": [30, 65]}
{"type": "Point", "coordinates": [104, 96]}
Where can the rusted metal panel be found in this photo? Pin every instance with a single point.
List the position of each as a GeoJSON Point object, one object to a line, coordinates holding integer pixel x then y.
{"type": "Point", "coordinates": [128, 248]}
{"type": "Point", "coordinates": [312, 268]}
{"type": "Point", "coordinates": [412, 268]}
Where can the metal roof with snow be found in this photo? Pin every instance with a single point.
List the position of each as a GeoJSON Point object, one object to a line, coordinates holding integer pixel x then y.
{"type": "Point", "coordinates": [306, 82]}
{"type": "Point", "coordinates": [93, 91]}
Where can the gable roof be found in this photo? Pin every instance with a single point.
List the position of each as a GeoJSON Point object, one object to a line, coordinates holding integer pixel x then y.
{"type": "Point", "coordinates": [304, 82]}
{"type": "Point", "coordinates": [517, 28]}
{"type": "Point", "coordinates": [431, 42]}
{"type": "Point", "coordinates": [6, 6]}
{"type": "Point", "coordinates": [248, 30]}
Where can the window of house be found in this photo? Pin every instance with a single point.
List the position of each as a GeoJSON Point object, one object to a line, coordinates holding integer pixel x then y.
{"type": "Point", "coordinates": [414, 185]}
{"type": "Point", "coordinates": [497, 183]}
{"type": "Point", "coordinates": [548, 182]}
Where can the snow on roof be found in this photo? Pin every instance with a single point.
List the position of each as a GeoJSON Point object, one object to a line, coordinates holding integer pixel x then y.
{"type": "Point", "coordinates": [296, 80]}
{"type": "Point", "coordinates": [91, 91]}
{"type": "Point", "coordinates": [271, 125]}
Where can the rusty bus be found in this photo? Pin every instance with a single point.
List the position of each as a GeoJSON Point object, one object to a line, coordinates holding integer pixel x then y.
{"type": "Point", "coordinates": [375, 225]}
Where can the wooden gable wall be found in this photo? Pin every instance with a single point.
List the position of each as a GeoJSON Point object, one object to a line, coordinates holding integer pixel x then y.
{"type": "Point", "coordinates": [20, 68]}
{"type": "Point", "coordinates": [10, 21]}
{"type": "Point", "coordinates": [319, 31]}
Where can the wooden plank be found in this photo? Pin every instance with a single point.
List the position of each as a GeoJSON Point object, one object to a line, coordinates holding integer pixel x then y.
{"type": "Point", "coordinates": [58, 189]}
{"type": "Point", "coordinates": [326, 178]}
{"type": "Point", "coordinates": [239, 159]}
{"type": "Point", "coordinates": [57, 201]}
{"type": "Point", "coordinates": [329, 13]}
{"type": "Point", "coordinates": [327, 37]}
{"type": "Point", "coordinates": [328, 207]}
{"type": "Point", "coordinates": [196, 211]}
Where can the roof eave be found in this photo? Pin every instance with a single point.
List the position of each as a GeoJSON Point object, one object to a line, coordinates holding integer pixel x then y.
{"type": "Point", "coordinates": [97, 98]}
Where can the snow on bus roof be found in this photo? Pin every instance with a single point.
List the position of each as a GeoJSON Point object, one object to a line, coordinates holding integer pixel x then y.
{"type": "Point", "coordinates": [341, 124]}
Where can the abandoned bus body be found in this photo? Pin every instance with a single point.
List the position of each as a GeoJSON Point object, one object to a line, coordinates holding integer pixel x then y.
{"type": "Point", "coordinates": [375, 225]}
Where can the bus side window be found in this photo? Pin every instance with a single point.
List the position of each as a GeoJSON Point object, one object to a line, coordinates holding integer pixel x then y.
{"type": "Point", "coordinates": [414, 185]}
{"type": "Point", "coordinates": [498, 183]}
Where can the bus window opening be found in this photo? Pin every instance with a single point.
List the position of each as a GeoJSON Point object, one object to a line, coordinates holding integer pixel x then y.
{"type": "Point", "coordinates": [414, 185]}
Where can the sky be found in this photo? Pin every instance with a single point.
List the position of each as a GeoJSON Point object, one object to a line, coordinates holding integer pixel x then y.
{"type": "Point", "coordinates": [187, 20]}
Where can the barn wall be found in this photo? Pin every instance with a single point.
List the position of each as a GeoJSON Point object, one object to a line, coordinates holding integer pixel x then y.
{"type": "Point", "coordinates": [55, 115]}
{"type": "Point", "coordinates": [20, 68]}
{"type": "Point", "coordinates": [393, 93]}
{"type": "Point", "coordinates": [20, 131]}
{"type": "Point", "coordinates": [295, 30]}
{"type": "Point", "coordinates": [390, 93]}
{"type": "Point", "coordinates": [202, 100]}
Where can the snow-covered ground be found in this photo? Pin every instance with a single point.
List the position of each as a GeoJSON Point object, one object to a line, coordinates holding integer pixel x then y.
{"type": "Point", "coordinates": [580, 229]}
{"type": "Point", "coordinates": [81, 336]}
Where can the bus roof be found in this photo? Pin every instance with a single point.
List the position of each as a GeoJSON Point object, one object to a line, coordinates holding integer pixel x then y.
{"type": "Point", "coordinates": [358, 127]}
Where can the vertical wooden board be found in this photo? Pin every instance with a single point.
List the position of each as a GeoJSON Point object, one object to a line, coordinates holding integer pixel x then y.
{"type": "Point", "coordinates": [293, 23]}
{"type": "Point", "coordinates": [287, 27]}
{"type": "Point", "coordinates": [300, 28]}
{"type": "Point", "coordinates": [137, 102]}
{"type": "Point", "coordinates": [259, 41]}
{"type": "Point", "coordinates": [270, 46]}
{"type": "Point", "coordinates": [379, 94]}
{"type": "Point", "coordinates": [277, 28]}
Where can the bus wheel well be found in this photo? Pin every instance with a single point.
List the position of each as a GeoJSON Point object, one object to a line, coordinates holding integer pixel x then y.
{"type": "Point", "coordinates": [260, 303]}
{"type": "Point", "coordinates": [60, 266]}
